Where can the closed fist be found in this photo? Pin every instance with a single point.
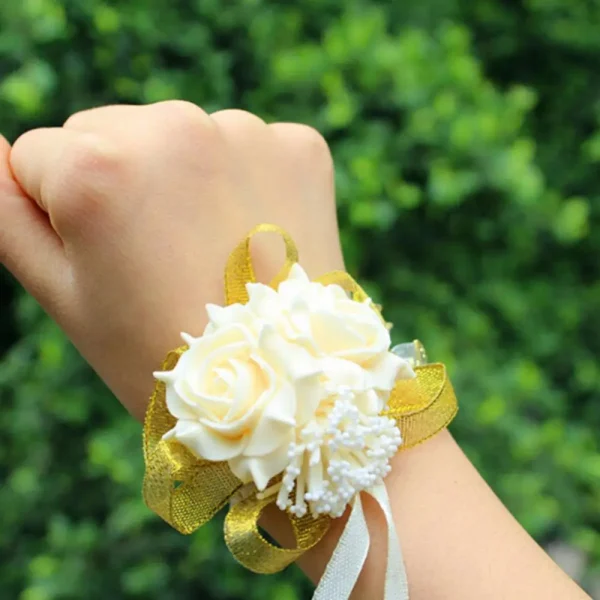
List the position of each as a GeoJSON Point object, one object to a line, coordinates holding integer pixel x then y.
{"type": "Point", "coordinates": [121, 221]}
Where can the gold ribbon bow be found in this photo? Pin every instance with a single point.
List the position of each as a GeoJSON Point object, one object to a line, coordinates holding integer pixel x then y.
{"type": "Point", "coordinates": [187, 491]}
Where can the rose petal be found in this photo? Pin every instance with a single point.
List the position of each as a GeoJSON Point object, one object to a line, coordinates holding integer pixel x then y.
{"type": "Point", "coordinates": [197, 365]}
{"type": "Point", "coordinates": [225, 375]}
{"type": "Point", "coordinates": [231, 339]}
{"type": "Point", "coordinates": [387, 369]}
{"type": "Point", "coordinates": [297, 284]}
{"type": "Point", "coordinates": [281, 406]}
{"type": "Point", "coordinates": [203, 405]}
{"type": "Point", "coordinates": [298, 323]}
{"type": "Point", "coordinates": [262, 300]}
{"type": "Point", "coordinates": [206, 443]}
{"type": "Point", "coordinates": [350, 329]}
{"type": "Point", "coordinates": [309, 393]}
{"type": "Point", "coordinates": [297, 273]}
{"type": "Point", "coordinates": [223, 316]}
{"type": "Point", "coordinates": [178, 406]}
{"type": "Point", "coordinates": [248, 386]}
{"type": "Point", "coordinates": [333, 334]}
{"type": "Point", "coordinates": [370, 402]}
{"type": "Point", "coordinates": [232, 425]}
{"type": "Point", "coordinates": [188, 339]}
{"type": "Point", "coordinates": [342, 373]}
{"type": "Point", "coordinates": [272, 430]}
{"type": "Point", "coordinates": [337, 292]}
{"type": "Point", "coordinates": [276, 424]}
{"type": "Point", "coordinates": [260, 470]}
{"type": "Point", "coordinates": [244, 384]}
{"type": "Point", "coordinates": [287, 357]}
{"type": "Point", "coordinates": [217, 315]}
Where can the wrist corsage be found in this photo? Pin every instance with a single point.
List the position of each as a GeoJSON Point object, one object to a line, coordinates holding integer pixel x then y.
{"type": "Point", "coordinates": [292, 397]}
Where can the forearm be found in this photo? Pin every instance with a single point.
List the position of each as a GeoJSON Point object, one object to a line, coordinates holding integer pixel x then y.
{"type": "Point", "coordinates": [459, 541]}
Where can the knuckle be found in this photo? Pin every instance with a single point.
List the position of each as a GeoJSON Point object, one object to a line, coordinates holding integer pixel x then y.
{"type": "Point", "coordinates": [237, 118]}
{"type": "Point", "coordinates": [308, 143]}
{"type": "Point", "coordinates": [190, 131]}
{"type": "Point", "coordinates": [95, 117]}
{"type": "Point", "coordinates": [90, 169]}
{"type": "Point", "coordinates": [89, 158]}
{"type": "Point", "coordinates": [192, 136]}
{"type": "Point", "coordinates": [77, 119]}
{"type": "Point", "coordinates": [24, 145]}
{"type": "Point", "coordinates": [183, 117]}
{"type": "Point", "coordinates": [314, 144]}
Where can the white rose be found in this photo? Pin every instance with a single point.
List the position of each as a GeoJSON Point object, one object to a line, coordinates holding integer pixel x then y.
{"type": "Point", "coordinates": [239, 393]}
{"type": "Point", "coordinates": [328, 323]}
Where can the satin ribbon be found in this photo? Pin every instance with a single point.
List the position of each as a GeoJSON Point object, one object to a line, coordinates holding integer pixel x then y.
{"type": "Point", "coordinates": [350, 554]}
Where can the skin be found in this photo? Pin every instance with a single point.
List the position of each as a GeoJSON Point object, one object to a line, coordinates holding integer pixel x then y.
{"type": "Point", "coordinates": [120, 222]}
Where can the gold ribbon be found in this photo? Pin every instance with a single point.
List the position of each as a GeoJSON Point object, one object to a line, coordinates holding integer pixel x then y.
{"type": "Point", "coordinates": [187, 491]}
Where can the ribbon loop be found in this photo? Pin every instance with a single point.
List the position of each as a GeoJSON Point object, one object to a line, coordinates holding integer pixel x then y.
{"type": "Point", "coordinates": [423, 406]}
{"type": "Point", "coordinates": [239, 270]}
{"type": "Point", "coordinates": [257, 554]}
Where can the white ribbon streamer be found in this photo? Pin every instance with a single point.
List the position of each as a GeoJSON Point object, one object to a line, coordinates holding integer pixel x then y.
{"type": "Point", "coordinates": [350, 554]}
{"type": "Point", "coordinates": [348, 558]}
{"type": "Point", "coordinates": [396, 582]}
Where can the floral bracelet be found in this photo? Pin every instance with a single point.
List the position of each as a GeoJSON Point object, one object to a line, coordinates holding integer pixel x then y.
{"type": "Point", "coordinates": [292, 397]}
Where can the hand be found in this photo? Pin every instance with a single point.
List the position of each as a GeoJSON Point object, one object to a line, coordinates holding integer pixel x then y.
{"type": "Point", "coordinates": [120, 222]}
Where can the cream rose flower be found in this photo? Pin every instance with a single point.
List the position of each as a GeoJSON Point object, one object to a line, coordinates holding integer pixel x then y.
{"type": "Point", "coordinates": [328, 323]}
{"type": "Point", "coordinates": [239, 393]}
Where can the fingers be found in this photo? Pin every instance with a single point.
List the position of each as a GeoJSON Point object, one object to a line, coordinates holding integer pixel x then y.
{"type": "Point", "coordinates": [154, 140]}
{"type": "Point", "coordinates": [294, 158]}
{"type": "Point", "coordinates": [102, 117]}
{"type": "Point", "coordinates": [307, 149]}
{"type": "Point", "coordinates": [29, 247]}
{"type": "Point", "coordinates": [43, 159]}
{"type": "Point", "coordinates": [250, 144]}
{"type": "Point", "coordinates": [306, 157]}
{"type": "Point", "coordinates": [246, 129]}
{"type": "Point", "coordinates": [34, 155]}
{"type": "Point", "coordinates": [121, 121]}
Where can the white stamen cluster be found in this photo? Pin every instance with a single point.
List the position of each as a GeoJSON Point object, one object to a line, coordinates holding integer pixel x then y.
{"type": "Point", "coordinates": [337, 455]}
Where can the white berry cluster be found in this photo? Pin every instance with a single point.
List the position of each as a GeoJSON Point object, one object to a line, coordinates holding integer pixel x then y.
{"type": "Point", "coordinates": [337, 455]}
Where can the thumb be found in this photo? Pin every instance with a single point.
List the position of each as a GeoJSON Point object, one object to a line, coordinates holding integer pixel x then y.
{"type": "Point", "coordinates": [29, 247]}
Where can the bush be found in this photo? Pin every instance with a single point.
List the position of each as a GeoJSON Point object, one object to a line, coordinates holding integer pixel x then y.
{"type": "Point", "coordinates": [467, 143]}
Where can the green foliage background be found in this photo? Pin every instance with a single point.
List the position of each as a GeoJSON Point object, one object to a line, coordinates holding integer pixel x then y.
{"type": "Point", "coordinates": [467, 141]}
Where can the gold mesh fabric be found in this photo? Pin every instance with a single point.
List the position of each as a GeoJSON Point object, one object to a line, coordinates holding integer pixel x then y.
{"type": "Point", "coordinates": [182, 489]}
{"type": "Point", "coordinates": [187, 491]}
{"type": "Point", "coordinates": [423, 406]}
{"type": "Point", "coordinates": [239, 270]}
{"type": "Point", "coordinates": [250, 548]}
